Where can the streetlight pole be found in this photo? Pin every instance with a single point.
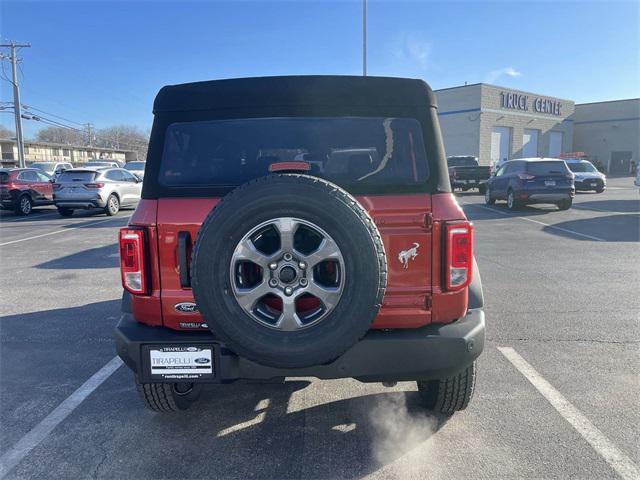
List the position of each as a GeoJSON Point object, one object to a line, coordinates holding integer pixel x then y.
{"type": "Point", "coordinates": [364, 38]}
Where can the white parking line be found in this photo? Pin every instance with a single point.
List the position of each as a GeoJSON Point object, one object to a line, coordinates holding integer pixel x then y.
{"type": "Point", "coordinates": [566, 230]}
{"type": "Point", "coordinates": [70, 229]}
{"type": "Point", "coordinates": [32, 439]}
{"type": "Point", "coordinates": [601, 444]}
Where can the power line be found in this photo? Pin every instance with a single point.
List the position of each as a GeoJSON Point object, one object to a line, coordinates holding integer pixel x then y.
{"type": "Point", "coordinates": [29, 107]}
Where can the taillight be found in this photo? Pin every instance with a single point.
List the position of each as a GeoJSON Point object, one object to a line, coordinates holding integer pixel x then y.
{"type": "Point", "coordinates": [459, 265]}
{"type": "Point", "coordinates": [132, 260]}
{"type": "Point", "coordinates": [526, 176]}
{"type": "Point", "coordinates": [94, 185]}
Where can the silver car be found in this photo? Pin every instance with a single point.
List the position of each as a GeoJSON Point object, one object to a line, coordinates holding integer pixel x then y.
{"type": "Point", "coordinates": [108, 189]}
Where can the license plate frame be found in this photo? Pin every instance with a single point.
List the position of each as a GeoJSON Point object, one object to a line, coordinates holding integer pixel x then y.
{"type": "Point", "coordinates": [179, 363]}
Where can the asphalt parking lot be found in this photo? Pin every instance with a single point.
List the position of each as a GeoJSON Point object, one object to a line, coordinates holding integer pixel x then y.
{"type": "Point", "coordinates": [558, 393]}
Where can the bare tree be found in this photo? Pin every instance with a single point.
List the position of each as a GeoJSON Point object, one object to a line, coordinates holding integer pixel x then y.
{"type": "Point", "coordinates": [6, 133]}
{"type": "Point", "coordinates": [60, 135]}
{"type": "Point", "coordinates": [124, 137]}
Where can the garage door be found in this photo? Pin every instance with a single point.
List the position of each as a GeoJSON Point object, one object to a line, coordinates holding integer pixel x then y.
{"type": "Point", "coordinates": [555, 144]}
{"type": "Point", "coordinates": [530, 143]}
{"type": "Point", "coordinates": [500, 141]}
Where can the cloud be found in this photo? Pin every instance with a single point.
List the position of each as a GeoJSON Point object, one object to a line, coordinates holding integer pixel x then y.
{"type": "Point", "coordinates": [410, 53]}
{"type": "Point", "coordinates": [494, 75]}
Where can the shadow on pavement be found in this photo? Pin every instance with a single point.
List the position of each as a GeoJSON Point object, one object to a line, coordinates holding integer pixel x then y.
{"type": "Point", "coordinates": [244, 431]}
{"type": "Point", "coordinates": [479, 212]}
{"type": "Point", "coordinates": [99, 257]}
{"type": "Point", "coordinates": [611, 228]}
{"type": "Point", "coordinates": [626, 206]}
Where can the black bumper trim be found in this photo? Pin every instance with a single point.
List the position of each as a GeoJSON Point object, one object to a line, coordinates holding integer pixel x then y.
{"type": "Point", "coordinates": [434, 351]}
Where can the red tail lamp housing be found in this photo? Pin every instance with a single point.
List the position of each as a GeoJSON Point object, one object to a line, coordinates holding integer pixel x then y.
{"type": "Point", "coordinates": [133, 262]}
{"type": "Point", "coordinates": [459, 252]}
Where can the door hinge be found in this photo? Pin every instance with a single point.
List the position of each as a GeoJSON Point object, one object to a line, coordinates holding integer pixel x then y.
{"type": "Point", "coordinates": [427, 302]}
{"type": "Point", "coordinates": [428, 221]}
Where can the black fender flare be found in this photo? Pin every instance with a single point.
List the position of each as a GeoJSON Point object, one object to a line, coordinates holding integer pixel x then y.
{"type": "Point", "coordinates": [476, 297]}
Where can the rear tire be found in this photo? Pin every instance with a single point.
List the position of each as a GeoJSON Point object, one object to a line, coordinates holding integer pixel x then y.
{"type": "Point", "coordinates": [512, 203]}
{"type": "Point", "coordinates": [113, 205]}
{"type": "Point", "coordinates": [168, 397]}
{"type": "Point", "coordinates": [65, 212]}
{"type": "Point", "coordinates": [451, 394]}
{"type": "Point", "coordinates": [599, 190]}
{"type": "Point", "coordinates": [565, 204]}
{"type": "Point", "coordinates": [24, 205]}
{"type": "Point", "coordinates": [488, 199]}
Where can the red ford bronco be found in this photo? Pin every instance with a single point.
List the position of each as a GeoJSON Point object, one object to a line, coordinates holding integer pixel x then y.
{"type": "Point", "coordinates": [296, 227]}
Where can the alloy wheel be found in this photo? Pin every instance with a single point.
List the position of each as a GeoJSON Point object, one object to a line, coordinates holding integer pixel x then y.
{"type": "Point", "coordinates": [287, 273]}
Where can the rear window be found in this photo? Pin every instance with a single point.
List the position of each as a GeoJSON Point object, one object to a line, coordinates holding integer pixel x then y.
{"type": "Point", "coordinates": [462, 162]}
{"type": "Point", "coordinates": [134, 166]}
{"type": "Point", "coordinates": [345, 150]}
{"type": "Point", "coordinates": [76, 177]}
{"type": "Point", "coordinates": [581, 167]}
{"type": "Point", "coordinates": [45, 166]}
{"type": "Point", "coordinates": [547, 168]}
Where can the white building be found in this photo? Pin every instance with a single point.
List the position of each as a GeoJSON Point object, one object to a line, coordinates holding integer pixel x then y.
{"type": "Point", "coordinates": [496, 124]}
{"type": "Point", "coordinates": [55, 152]}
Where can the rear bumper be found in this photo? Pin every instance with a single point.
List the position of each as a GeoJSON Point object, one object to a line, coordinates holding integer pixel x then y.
{"type": "Point", "coordinates": [77, 204]}
{"type": "Point", "coordinates": [590, 184]}
{"type": "Point", "coordinates": [434, 351]}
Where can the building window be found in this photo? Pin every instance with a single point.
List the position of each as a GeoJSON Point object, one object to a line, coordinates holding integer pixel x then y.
{"type": "Point", "coordinates": [530, 143]}
{"type": "Point", "coordinates": [65, 152]}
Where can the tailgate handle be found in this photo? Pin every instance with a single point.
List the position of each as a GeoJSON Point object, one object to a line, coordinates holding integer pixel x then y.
{"type": "Point", "coordinates": [184, 245]}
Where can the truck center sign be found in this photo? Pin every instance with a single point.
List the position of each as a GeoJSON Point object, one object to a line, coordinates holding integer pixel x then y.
{"type": "Point", "coordinates": [519, 101]}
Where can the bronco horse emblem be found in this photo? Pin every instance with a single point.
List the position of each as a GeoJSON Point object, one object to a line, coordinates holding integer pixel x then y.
{"type": "Point", "coordinates": [409, 254]}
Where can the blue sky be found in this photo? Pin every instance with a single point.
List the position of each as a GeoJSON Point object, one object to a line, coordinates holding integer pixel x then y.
{"type": "Point", "coordinates": [103, 62]}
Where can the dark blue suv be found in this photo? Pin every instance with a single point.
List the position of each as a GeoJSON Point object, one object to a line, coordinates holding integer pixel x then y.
{"type": "Point", "coordinates": [537, 180]}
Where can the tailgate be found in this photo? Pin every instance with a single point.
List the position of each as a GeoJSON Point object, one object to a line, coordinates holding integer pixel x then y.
{"type": "Point", "coordinates": [403, 221]}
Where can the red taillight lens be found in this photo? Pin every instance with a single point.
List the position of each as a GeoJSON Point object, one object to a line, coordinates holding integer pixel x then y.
{"type": "Point", "coordinates": [94, 185]}
{"type": "Point", "coordinates": [459, 265]}
{"type": "Point", "coordinates": [132, 260]}
{"type": "Point", "coordinates": [526, 176]}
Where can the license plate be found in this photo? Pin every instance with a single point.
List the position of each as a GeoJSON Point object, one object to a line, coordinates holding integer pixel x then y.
{"type": "Point", "coordinates": [593, 184]}
{"type": "Point", "coordinates": [550, 183]}
{"type": "Point", "coordinates": [472, 181]}
{"type": "Point", "coordinates": [181, 363]}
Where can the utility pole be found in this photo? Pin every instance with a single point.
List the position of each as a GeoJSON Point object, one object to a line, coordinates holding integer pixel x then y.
{"type": "Point", "coordinates": [364, 38]}
{"type": "Point", "coordinates": [89, 134]}
{"type": "Point", "coordinates": [16, 97]}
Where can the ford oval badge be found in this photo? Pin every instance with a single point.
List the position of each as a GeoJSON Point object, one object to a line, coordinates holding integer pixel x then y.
{"type": "Point", "coordinates": [186, 307]}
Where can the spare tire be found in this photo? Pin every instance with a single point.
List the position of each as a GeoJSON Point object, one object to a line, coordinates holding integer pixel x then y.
{"type": "Point", "coordinates": [289, 270]}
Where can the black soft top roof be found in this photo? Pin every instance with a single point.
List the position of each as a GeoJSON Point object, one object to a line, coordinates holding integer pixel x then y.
{"type": "Point", "coordinates": [295, 91]}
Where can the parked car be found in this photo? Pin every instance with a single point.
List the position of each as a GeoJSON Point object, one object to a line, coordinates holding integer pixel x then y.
{"type": "Point", "coordinates": [52, 168]}
{"type": "Point", "coordinates": [241, 263]}
{"type": "Point", "coordinates": [532, 180]}
{"type": "Point", "coordinates": [466, 173]}
{"type": "Point", "coordinates": [587, 177]}
{"type": "Point", "coordinates": [106, 188]}
{"type": "Point", "coordinates": [21, 189]}
{"type": "Point", "coordinates": [102, 164]}
{"type": "Point", "coordinates": [137, 168]}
